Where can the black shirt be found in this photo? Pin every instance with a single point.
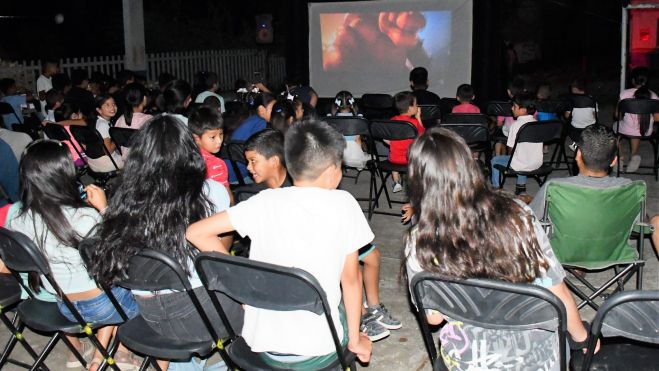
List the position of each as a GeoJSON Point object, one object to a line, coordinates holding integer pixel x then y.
{"type": "Point", "coordinates": [424, 96]}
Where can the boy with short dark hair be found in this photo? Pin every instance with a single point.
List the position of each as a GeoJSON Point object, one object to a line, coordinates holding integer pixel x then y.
{"type": "Point", "coordinates": [409, 111]}
{"type": "Point", "coordinates": [528, 156]}
{"type": "Point", "coordinates": [311, 226]}
{"type": "Point", "coordinates": [465, 95]}
{"type": "Point", "coordinates": [264, 152]}
{"type": "Point", "coordinates": [207, 129]}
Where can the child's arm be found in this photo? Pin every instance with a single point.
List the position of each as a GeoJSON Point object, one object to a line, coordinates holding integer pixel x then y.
{"type": "Point", "coordinates": [204, 233]}
{"type": "Point", "coordinates": [574, 325]}
{"type": "Point", "coordinates": [351, 286]}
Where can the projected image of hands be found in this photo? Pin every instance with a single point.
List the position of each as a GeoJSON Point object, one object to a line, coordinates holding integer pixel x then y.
{"type": "Point", "coordinates": [389, 42]}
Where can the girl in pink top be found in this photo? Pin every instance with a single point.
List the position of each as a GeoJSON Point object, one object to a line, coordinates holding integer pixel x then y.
{"type": "Point", "coordinates": [135, 99]}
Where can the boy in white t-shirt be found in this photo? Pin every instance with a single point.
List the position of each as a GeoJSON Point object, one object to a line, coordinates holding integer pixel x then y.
{"type": "Point", "coordinates": [45, 82]}
{"type": "Point", "coordinates": [528, 156]}
{"type": "Point", "coordinates": [311, 226]}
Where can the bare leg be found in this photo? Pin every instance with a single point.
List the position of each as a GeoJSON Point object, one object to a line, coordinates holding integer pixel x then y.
{"type": "Point", "coordinates": [395, 176]}
{"type": "Point", "coordinates": [634, 144]}
{"type": "Point", "coordinates": [372, 277]}
{"type": "Point", "coordinates": [655, 235]}
{"type": "Point", "coordinates": [103, 335]}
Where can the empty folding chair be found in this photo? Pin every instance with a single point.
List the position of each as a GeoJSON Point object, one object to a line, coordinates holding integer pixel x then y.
{"type": "Point", "coordinates": [386, 130]}
{"type": "Point", "coordinates": [473, 129]}
{"type": "Point", "coordinates": [446, 106]}
{"type": "Point", "coordinates": [20, 254]}
{"type": "Point", "coordinates": [377, 106]}
{"type": "Point", "coordinates": [589, 229]}
{"type": "Point", "coordinates": [152, 270]}
{"type": "Point", "coordinates": [628, 323]}
{"type": "Point", "coordinates": [122, 137]}
{"type": "Point", "coordinates": [641, 107]}
{"type": "Point", "coordinates": [489, 304]}
{"type": "Point", "coordinates": [272, 287]}
{"type": "Point", "coordinates": [532, 132]}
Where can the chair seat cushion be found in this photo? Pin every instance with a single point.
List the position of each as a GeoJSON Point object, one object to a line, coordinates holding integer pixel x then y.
{"type": "Point", "coordinates": [620, 354]}
{"type": "Point", "coordinates": [388, 167]}
{"type": "Point", "coordinates": [45, 316]}
{"type": "Point", "coordinates": [138, 336]}
{"type": "Point", "coordinates": [242, 355]}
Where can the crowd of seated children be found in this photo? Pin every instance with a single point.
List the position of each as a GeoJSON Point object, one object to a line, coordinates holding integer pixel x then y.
{"type": "Point", "coordinates": [344, 106]}
{"type": "Point", "coordinates": [636, 125]}
{"type": "Point", "coordinates": [408, 111]}
{"type": "Point", "coordinates": [51, 213]}
{"type": "Point", "coordinates": [528, 156]}
{"type": "Point", "coordinates": [205, 89]}
{"type": "Point", "coordinates": [311, 226]}
{"type": "Point", "coordinates": [465, 96]}
{"type": "Point", "coordinates": [152, 208]}
{"type": "Point", "coordinates": [451, 207]}
{"type": "Point", "coordinates": [580, 117]}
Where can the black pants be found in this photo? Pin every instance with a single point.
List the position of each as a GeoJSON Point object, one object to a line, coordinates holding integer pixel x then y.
{"type": "Point", "coordinates": [175, 317]}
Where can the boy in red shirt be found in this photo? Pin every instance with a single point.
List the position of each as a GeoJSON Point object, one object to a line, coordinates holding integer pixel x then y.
{"type": "Point", "coordinates": [408, 111]}
{"type": "Point", "coordinates": [207, 129]}
{"type": "Point", "coordinates": [465, 95]}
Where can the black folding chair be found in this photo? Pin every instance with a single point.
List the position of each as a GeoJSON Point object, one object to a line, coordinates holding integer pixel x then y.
{"type": "Point", "coordinates": [57, 132]}
{"type": "Point", "coordinates": [579, 101]}
{"type": "Point", "coordinates": [122, 137]}
{"type": "Point", "coordinates": [7, 109]}
{"type": "Point", "coordinates": [488, 304]}
{"type": "Point", "coordinates": [351, 126]}
{"type": "Point", "coordinates": [234, 151]}
{"type": "Point", "coordinates": [641, 107]}
{"type": "Point", "coordinates": [473, 129]}
{"type": "Point", "coordinates": [629, 323]}
{"type": "Point", "coordinates": [431, 115]}
{"type": "Point", "coordinates": [446, 106]}
{"type": "Point", "coordinates": [20, 254]}
{"type": "Point", "coordinates": [377, 106]}
{"type": "Point", "coordinates": [499, 108]}
{"type": "Point", "coordinates": [266, 286]}
{"type": "Point", "coordinates": [93, 146]}
{"type": "Point", "coordinates": [386, 130]}
{"type": "Point", "coordinates": [10, 296]}
{"type": "Point", "coordinates": [533, 132]}
{"type": "Point", "coordinates": [152, 270]}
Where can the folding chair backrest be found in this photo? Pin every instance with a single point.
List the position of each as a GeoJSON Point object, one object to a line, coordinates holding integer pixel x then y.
{"type": "Point", "coordinates": [236, 152]}
{"type": "Point", "coordinates": [582, 101]}
{"type": "Point", "coordinates": [20, 254]}
{"type": "Point", "coordinates": [630, 314]}
{"type": "Point", "coordinates": [349, 126]}
{"type": "Point", "coordinates": [499, 108]}
{"type": "Point", "coordinates": [151, 270]}
{"type": "Point", "coordinates": [7, 109]}
{"type": "Point", "coordinates": [431, 114]}
{"type": "Point", "coordinates": [489, 303]}
{"type": "Point", "coordinates": [540, 132]}
{"type": "Point", "coordinates": [638, 106]}
{"type": "Point", "coordinates": [57, 132]}
{"type": "Point", "coordinates": [261, 285]}
{"type": "Point", "coordinates": [556, 106]}
{"type": "Point", "coordinates": [392, 130]}
{"type": "Point", "coordinates": [91, 141]}
{"type": "Point", "coordinates": [471, 133]}
{"type": "Point", "coordinates": [377, 105]}
{"type": "Point", "coordinates": [591, 226]}
{"type": "Point", "coordinates": [446, 105]}
{"type": "Point", "coordinates": [465, 118]}
{"type": "Point", "coordinates": [122, 137]}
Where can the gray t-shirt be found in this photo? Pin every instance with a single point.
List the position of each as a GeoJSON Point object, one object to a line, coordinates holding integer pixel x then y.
{"type": "Point", "coordinates": [468, 347]}
{"type": "Point", "coordinates": [538, 204]}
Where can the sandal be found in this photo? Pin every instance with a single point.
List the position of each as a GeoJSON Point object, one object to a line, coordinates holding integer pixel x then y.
{"type": "Point", "coordinates": [126, 362]}
{"type": "Point", "coordinates": [87, 349]}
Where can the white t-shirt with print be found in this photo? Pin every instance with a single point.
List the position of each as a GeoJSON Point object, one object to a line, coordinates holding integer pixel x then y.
{"type": "Point", "coordinates": [44, 84]}
{"type": "Point", "coordinates": [528, 156]}
{"type": "Point", "coordinates": [308, 228]}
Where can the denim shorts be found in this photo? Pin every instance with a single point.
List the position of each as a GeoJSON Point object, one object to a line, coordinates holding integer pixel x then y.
{"type": "Point", "coordinates": [100, 311]}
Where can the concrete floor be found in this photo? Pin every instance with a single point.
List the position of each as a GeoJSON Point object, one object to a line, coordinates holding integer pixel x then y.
{"type": "Point", "coordinates": [404, 349]}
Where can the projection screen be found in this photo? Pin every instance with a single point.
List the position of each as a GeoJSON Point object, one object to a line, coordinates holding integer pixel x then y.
{"type": "Point", "coordinates": [371, 46]}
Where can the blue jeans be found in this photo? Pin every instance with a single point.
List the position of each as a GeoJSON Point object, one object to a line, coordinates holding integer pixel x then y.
{"type": "Point", "coordinates": [496, 176]}
{"type": "Point", "coordinates": [99, 310]}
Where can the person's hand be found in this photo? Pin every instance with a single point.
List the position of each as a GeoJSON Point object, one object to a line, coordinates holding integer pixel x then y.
{"type": "Point", "coordinates": [417, 116]}
{"type": "Point", "coordinates": [407, 213]}
{"type": "Point", "coordinates": [362, 347]}
{"type": "Point", "coordinates": [96, 197]}
{"type": "Point", "coordinates": [262, 87]}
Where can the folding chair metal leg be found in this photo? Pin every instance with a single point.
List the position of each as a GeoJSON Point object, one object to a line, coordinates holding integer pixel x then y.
{"type": "Point", "coordinates": [585, 298]}
{"type": "Point", "coordinates": [16, 328]}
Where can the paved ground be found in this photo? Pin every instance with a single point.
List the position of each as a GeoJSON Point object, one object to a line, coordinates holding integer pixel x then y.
{"type": "Point", "coordinates": [404, 349]}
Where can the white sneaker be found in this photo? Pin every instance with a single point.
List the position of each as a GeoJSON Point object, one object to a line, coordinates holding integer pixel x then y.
{"type": "Point", "coordinates": [397, 188]}
{"type": "Point", "coordinates": [633, 165]}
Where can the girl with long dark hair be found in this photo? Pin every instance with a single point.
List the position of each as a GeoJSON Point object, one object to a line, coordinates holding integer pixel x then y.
{"type": "Point", "coordinates": [163, 190]}
{"type": "Point", "coordinates": [54, 216]}
{"type": "Point", "coordinates": [467, 230]}
{"type": "Point", "coordinates": [135, 100]}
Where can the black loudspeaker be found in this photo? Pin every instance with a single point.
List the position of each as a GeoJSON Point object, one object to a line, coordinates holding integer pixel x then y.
{"type": "Point", "coordinates": [264, 31]}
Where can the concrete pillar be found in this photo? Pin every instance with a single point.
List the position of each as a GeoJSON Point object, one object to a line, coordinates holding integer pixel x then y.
{"type": "Point", "coordinates": [135, 58]}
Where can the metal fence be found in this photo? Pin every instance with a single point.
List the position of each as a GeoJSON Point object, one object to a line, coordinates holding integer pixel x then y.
{"type": "Point", "coordinates": [228, 64]}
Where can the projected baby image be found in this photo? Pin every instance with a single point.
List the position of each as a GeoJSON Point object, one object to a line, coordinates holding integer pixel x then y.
{"type": "Point", "coordinates": [389, 42]}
